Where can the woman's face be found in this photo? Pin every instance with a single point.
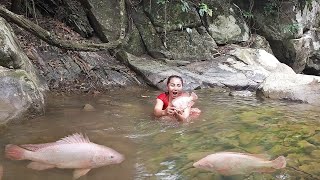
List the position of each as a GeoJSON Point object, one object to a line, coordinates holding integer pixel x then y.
{"type": "Point", "coordinates": [174, 87]}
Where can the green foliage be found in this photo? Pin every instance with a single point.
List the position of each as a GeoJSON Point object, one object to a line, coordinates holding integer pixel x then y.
{"type": "Point", "coordinates": [247, 14]}
{"type": "Point", "coordinates": [184, 6]}
{"type": "Point", "coordinates": [292, 28]}
{"type": "Point", "coordinates": [271, 7]}
{"type": "Point", "coordinates": [203, 8]}
{"type": "Point", "coordinates": [162, 2]}
{"type": "Point", "coordinates": [309, 4]}
{"type": "Point", "coordinates": [303, 3]}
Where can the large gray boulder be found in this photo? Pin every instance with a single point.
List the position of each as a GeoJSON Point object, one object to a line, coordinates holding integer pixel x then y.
{"type": "Point", "coordinates": [286, 25]}
{"type": "Point", "coordinates": [226, 25]}
{"type": "Point", "coordinates": [242, 68]}
{"type": "Point", "coordinates": [104, 16]}
{"type": "Point", "coordinates": [169, 32]}
{"type": "Point", "coordinates": [21, 89]}
{"type": "Point", "coordinates": [296, 87]}
{"type": "Point", "coordinates": [20, 97]}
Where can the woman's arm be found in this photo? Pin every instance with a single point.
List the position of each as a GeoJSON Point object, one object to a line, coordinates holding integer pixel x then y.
{"type": "Point", "coordinates": [183, 116]}
{"type": "Point", "coordinates": [158, 112]}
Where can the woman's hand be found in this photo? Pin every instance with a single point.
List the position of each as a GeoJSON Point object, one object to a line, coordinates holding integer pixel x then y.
{"type": "Point", "coordinates": [170, 110]}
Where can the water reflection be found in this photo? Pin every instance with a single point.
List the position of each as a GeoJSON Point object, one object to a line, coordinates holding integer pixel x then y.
{"type": "Point", "coordinates": [154, 149]}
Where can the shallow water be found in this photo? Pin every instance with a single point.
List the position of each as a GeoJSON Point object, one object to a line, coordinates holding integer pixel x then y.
{"type": "Point", "coordinates": [166, 150]}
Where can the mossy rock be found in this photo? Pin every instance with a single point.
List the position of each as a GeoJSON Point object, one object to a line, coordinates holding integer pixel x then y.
{"type": "Point", "coordinates": [246, 138]}
{"type": "Point", "coordinates": [278, 150]}
{"type": "Point", "coordinates": [311, 168]}
{"type": "Point", "coordinates": [306, 146]}
{"type": "Point", "coordinates": [316, 154]}
{"type": "Point", "coordinates": [315, 139]}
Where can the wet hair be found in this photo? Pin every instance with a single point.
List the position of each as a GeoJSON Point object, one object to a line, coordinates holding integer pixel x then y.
{"type": "Point", "coordinates": [174, 76]}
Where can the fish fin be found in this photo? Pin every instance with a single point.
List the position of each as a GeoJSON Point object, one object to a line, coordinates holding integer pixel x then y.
{"type": "Point", "coordinates": [74, 139]}
{"type": "Point", "coordinates": [80, 172]}
{"type": "Point", "coordinates": [279, 163]}
{"type": "Point", "coordinates": [191, 103]}
{"type": "Point", "coordinates": [207, 164]}
{"type": "Point", "coordinates": [260, 156]}
{"type": "Point", "coordinates": [14, 152]}
{"type": "Point", "coordinates": [40, 166]}
{"type": "Point", "coordinates": [194, 96]}
{"type": "Point", "coordinates": [36, 147]}
{"type": "Point", "coordinates": [185, 94]}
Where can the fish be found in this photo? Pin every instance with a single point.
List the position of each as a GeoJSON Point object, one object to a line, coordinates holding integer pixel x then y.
{"type": "Point", "coordinates": [233, 163]}
{"type": "Point", "coordinates": [184, 101]}
{"type": "Point", "coordinates": [75, 151]}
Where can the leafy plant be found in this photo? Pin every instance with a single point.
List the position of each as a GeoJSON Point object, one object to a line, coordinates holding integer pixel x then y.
{"type": "Point", "coordinates": [162, 2]}
{"type": "Point", "coordinates": [184, 6]}
{"type": "Point", "coordinates": [271, 7]}
{"type": "Point", "coordinates": [247, 14]}
{"type": "Point", "coordinates": [203, 8]}
{"type": "Point", "coordinates": [292, 28]}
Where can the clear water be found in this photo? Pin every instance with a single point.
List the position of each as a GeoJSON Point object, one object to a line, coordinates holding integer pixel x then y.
{"type": "Point", "coordinates": [166, 150]}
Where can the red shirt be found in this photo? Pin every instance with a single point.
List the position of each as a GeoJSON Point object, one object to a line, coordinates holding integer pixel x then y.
{"type": "Point", "coordinates": [165, 99]}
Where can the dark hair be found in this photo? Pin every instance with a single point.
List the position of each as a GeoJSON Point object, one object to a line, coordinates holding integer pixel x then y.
{"type": "Point", "coordinates": [174, 76]}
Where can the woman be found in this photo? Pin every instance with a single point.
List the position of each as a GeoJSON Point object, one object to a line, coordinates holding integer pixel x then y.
{"type": "Point", "coordinates": [164, 106]}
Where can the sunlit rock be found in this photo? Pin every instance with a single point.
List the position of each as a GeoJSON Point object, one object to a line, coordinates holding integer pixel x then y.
{"type": "Point", "coordinates": [296, 87]}
{"type": "Point", "coordinates": [245, 93]}
{"type": "Point", "coordinates": [260, 42]}
{"type": "Point", "coordinates": [242, 68]}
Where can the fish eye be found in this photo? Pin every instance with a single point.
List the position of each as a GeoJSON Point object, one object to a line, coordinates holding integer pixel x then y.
{"type": "Point", "coordinates": [111, 157]}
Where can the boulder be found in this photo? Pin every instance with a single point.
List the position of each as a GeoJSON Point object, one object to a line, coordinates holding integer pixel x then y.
{"type": "Point", "coordinates": [22, 91]}
{"type": "Point", "coordinates": [296, 87]}
{"type": "Point", "coordinates": [104, 17]}
{"type": "Point", "coordinates": [226, 24]}
{"type": "Point", "coordinates": [243, 68]}
{"type": "Point", "coordinates": [169, 32]}
{"type": "Point", "coordinates": [20, 97]}
{"type": "Point", "coordinates": [286, 25]}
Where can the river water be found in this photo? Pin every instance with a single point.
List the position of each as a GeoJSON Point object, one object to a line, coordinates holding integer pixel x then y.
{"type": "Point", "coordinates": [155, 149]}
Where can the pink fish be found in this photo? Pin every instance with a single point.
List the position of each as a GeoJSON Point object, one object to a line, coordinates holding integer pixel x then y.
{"type": "Point", "coordinates": [184, 101]}
{"type": "Point", "coordinates": [232, 163]}
{"type": "Point", "coordinates": [75, 152]}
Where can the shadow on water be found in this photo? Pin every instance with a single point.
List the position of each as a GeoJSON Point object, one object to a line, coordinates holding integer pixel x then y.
{"type": "Point", "coordinates": [154, 149]}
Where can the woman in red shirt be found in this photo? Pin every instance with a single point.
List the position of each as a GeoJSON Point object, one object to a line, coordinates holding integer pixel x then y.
{"type": "Point", "coordinates": [164, 106]}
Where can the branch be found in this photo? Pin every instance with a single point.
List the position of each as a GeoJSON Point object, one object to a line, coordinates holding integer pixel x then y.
{"type": "Point", "coordinates": [53, 40]}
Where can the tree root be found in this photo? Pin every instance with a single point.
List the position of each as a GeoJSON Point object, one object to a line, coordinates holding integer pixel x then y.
{"type": "Point", "coordinates": [53, 40]}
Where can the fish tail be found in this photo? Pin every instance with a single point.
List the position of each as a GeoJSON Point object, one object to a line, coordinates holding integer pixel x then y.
{"type": "Point", "coordinates": [279, 163]}
{"type": "Point", "coordinates": [194, 96]}
{"type": "Point", "coordinates": [14, 152]}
